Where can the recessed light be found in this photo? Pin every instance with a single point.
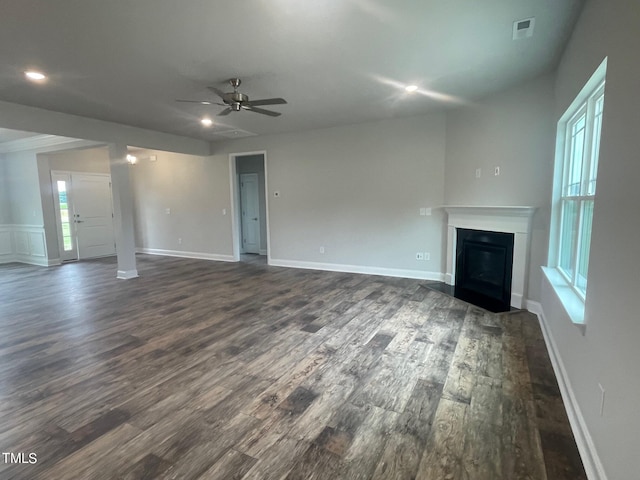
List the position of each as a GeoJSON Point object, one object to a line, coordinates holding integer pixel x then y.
{"type": "Point", "coordinates": [411, 88]}
{"type": "Point", "coordinates": [207, 122]}
{"type": "Point", "coordinates": [132, 159]}
{"type": "Point", "coordinates": [205, 103]}
{"type": "Point", "coordinates": [35, 76]}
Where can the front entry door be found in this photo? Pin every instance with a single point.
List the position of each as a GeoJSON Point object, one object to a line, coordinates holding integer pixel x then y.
{"type": "Point", "coordinates": [93, 214]}
{"type": "Point", "coordinates": [85, 223]}
{"type": "Point", "coordinates": [250, 205]}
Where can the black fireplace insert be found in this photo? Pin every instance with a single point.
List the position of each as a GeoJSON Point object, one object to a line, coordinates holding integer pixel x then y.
{"type": "Point", "coordinates": [484, 264]}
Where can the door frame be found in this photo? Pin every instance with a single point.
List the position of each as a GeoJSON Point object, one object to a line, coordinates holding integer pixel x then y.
{"type": "Point", "coordinates": [58, 217]}
{"type": "Point", "coordinates": [236, 234]}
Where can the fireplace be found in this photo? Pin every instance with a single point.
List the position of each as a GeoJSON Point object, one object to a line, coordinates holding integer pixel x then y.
{"type": "Point", "coordinates": [484, 263]}
{"type": "Point", "coordinates": [499, 219]}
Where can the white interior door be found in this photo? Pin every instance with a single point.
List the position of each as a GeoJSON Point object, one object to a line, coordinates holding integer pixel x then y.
{"type": "Point", "coordinates": [250, 208]}
{"type": "Point", "coordinates": [93, 215]}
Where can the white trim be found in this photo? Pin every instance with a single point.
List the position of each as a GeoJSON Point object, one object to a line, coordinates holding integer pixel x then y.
{"type": "Point", "coordinates": [127, 274]}
{"type": "Point", "coordinates": [510, 219]}
{"type": "Point", "coordinates": [235, 200]}
{"type": "Point", "coordinates": [24, 244]}
{"type": "Point", "coordinates": [533, 306]}
{"type": "Point", "coordinates": [262, 252]}
{"type": "Point", "coordinates": [588, 453]}
{"type": "Point", "coordinates": [177, 253]}
{"type": "Point", "coordinates": [336, 267]}
{"type": "Point", "coordinates": [573, 305]}
{"type": "Point", "coordinates": [40, 262]}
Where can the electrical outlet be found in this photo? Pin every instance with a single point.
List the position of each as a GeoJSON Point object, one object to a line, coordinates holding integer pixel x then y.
{"type": "Point", "coordinates": [179, 240]}
{"type": "Point", "coordinates": [224, 211]}
{"type": "Point", "coordinates": [167, 211]}
{"type": "Point", "coordinates": [478, 172]}
{"type": "Point", "coordinates": [321, 249]}
{"type": "Point", "coordinates": [427, 256]}
{"type": "Point", "coordinates": [419, 256]}
{"type": "Point", "coordinates": [427, 212]}
{"type": "Point", "coordinates": [496, 171]}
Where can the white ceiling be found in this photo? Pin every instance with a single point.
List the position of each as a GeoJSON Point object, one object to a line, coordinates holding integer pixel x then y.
{"type": "Point", "coordinates": [335, 61]}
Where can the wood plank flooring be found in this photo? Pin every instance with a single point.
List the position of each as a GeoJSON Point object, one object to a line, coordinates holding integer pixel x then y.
{"type": "Point", "coordinates": [207, 370]}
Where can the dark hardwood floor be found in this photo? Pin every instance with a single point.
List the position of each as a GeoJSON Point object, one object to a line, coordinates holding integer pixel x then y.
{"type": "Point", "coordinates": [206, 370]}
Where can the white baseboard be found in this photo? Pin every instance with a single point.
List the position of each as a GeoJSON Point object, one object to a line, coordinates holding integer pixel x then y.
{"type": "Point", "coordinates": [31, 260]}
{"type": "Point", "coordinates": [263, 252]}
{"type": "Point", "coordinates": [178, 253]}
{"type": "Point", "coordinates": [533, 307]}
{"type": "Point", "coordinates": [592, 464]}
{"type": "Point", "coordinates": [7, 258]}
{"type": "Point", "coordinates": [335, 267]}
{"type": "Point", "coordinates": [127, 274]}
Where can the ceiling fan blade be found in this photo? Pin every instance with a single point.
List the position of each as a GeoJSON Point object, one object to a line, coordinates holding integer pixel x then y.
{"type": "Point", "coordinates": [217, 91]}
{"type": "Point", "coordinates": [262, 111]}
{"type": "Point", "coordinates": [268, 101]}
{"type": "Point", "coordinates": [201, 102]}
{"type": "Point", "coordinates": [224, 112]}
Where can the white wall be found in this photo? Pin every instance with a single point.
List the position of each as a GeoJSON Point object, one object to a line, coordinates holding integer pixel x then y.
{"type": "Point", "coordinates": [5, 208]}
{"type": "Point", "coordinates": [196, 189]}
{"type": "Point", "coordinates": [89, 160]}
{"type": "Point", "coordinates": [23, 188]}
{"type": "Point", "coordinates": [357, 191]}
{"type": "Point", "coordinates": [608, 352]}
{"type": "Point", "coordinates": [514, 130]}
{"type": "Point", "coordinates": [24, 234]}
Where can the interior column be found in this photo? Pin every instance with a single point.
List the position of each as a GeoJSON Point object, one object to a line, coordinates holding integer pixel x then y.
{"type": "Point", "coordinates": [123, 211]}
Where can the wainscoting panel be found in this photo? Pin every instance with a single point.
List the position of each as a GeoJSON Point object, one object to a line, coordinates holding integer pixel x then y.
{"type": "Point", "coordinates": [24, 244]}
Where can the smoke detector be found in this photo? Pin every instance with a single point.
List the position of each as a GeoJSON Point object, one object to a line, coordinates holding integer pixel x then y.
{"type": "Point", "coordinates": [523, 28]}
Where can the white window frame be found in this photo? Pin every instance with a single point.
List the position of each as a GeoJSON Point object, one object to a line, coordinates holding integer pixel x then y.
{"type": "Point", "coordinates": [568, 282]}
{"type": "Point", "coordinates": [581, 190]}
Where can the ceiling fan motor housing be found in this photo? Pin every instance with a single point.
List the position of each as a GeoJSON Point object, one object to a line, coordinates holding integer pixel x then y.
{"type": "Point", "coordinates": [235, 97]}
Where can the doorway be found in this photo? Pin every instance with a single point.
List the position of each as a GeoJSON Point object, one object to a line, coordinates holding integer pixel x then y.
{"type": "Point", "coordinates": [250, 212]}
{"type": "Point", "coordinates": [84, 215]}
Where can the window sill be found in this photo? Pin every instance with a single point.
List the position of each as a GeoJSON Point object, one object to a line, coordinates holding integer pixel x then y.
{"type": "Point", "coordinates": [572, 303]}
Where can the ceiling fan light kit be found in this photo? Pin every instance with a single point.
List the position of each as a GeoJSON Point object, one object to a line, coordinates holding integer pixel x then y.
{"type": "Point", "coordinates": [236, 101]}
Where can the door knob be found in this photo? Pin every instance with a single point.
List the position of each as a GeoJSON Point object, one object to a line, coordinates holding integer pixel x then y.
{"type": "Point", "coordinates": [256, 218]}
{"type": "Point", "coordinates": [79, 221]}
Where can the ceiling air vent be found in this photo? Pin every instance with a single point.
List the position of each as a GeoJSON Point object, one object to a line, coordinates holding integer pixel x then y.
{"type": "Point", "coordinates": [523, 28]}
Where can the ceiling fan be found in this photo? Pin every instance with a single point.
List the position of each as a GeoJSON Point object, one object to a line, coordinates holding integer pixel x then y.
{"type": "Point", "coordinates": [236, 101]}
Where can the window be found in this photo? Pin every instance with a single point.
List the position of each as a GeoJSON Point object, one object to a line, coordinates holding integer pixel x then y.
{"type": "Point", "coordinates": [577, 167]}
{"type": "Point", "coordinates": [64, 215]}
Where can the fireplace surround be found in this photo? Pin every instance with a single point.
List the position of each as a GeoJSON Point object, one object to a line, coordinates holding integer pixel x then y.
{"type": "Point", "coordinates": [514, 220]}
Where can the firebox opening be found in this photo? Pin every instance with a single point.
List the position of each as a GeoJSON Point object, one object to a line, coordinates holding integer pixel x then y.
{"type": "Point", "coordinates": [484, 264]}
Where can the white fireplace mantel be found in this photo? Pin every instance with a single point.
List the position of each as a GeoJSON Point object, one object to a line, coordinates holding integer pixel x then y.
{"type": "Point", "coordinates": [516, 220]}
